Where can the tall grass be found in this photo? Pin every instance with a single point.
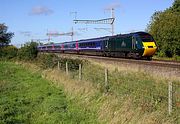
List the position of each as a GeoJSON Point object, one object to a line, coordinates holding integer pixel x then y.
{"type": "Point", "coordinates": [134, 96]}
{"type": "Point", "coordinates": [25, 97]}
{"type": "Point", "coordinates": [131, 91]}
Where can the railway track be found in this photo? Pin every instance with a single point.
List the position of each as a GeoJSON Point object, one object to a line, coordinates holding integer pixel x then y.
{"type": "Point", "coordinates": [158, 63]}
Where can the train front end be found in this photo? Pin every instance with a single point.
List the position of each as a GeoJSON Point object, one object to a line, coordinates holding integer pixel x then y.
{"type": "Point", "coordinates": [148, 44]}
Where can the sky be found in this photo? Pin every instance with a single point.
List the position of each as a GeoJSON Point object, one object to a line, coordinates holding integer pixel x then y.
{"type": "Point", "coordinates": [33, 19]}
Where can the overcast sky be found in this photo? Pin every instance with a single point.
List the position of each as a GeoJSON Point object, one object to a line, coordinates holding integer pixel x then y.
{"type": "Point", "coordinates": [32, 19]}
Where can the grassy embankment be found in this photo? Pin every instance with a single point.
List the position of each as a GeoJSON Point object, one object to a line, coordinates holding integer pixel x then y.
{"type": "Point", "coordinates": [25, 97]}
{"type": "Point", "coordinates": [133, 97]}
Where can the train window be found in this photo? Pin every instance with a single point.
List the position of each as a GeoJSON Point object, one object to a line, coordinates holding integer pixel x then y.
{"type": "Point", "coordinates": [66, 46]}
{"type": "Point", "coordinates": [57, 46]}
{"type": "Point", "coordinates": [146, 37]}
{"type": "Point", "coordinates": [91, 43]}
{"type": "Point", "coordinates": [83, 45]}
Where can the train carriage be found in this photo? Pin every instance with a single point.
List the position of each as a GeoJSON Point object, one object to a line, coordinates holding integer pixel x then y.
{"type": "Point", "coordinates": [132, 45]}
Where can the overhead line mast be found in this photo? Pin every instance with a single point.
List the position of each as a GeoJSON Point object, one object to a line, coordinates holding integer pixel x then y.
{"type": "Point", "coordinates": [62, 34]}
{"type": "Point", "coordinates": [100, 21]}
{"type": "Point", "coordinates": [112, 24]}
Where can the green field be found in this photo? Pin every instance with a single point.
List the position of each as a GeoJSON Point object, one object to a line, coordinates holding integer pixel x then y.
{"type": "Point", "coordinates": [25, 97]}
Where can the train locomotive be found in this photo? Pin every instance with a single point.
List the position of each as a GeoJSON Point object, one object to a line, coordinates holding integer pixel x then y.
{"type": "Point", "coordinates": [137, 45]}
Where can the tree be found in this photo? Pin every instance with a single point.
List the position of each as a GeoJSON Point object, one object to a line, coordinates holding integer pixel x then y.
{"type": "Point", "coordinates": [165, 28]}
{"type": "Point", "coordinates": [5, 37]}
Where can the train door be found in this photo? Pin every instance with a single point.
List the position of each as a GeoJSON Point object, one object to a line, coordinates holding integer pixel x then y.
{"type": "Point", "coordinates": [106, 46]}
{"type": "Point", "coordinates": [133, 43]}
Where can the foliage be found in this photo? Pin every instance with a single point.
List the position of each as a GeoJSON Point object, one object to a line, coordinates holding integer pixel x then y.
{"type": "Point", "coordinates": [8, 52]}
{"type": "Point", "coordinates": [51, 61]}
{"type": "Point", "coordinates": [46, 60]}
{"type": "Point", "coordinates": [28, 51]}
{"type": "Point", "coordinates": [73, 64]}
{"type": "Point", "coordinates": [25, 97]}
{"type": "Point", "coordinates": [165, 28]}
{"type": "Point", "coordinates": [5, 37]}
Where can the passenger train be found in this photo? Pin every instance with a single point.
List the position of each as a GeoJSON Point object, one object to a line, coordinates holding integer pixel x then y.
{"type": "Point", "coordinates": [138, 45]}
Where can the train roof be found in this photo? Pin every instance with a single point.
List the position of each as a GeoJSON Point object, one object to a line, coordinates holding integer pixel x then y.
{"type": "Point", "coordinates": [100, 38]}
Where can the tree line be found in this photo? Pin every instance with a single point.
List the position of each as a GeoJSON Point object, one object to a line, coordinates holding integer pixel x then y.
{"type": "Point", "coordinates": [27, 52]}
{"type": "Point", "coordinates": [164, 26]}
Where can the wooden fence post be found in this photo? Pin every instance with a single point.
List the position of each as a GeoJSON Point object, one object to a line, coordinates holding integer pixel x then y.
{"type": "Point", "coordinates": [170, 95]}
{"type": "Point", "coordinates": [67, 68]}
{"type": "Point", "coordinates": [58, 65]}
{"type": "Point", "coordinates": [80, 71]}
{"type": "Point", "coordinates": [106, 80]}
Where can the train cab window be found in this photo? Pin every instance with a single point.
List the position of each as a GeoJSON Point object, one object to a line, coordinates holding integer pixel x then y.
{"type": "Point", "coordinates": [146, 37]}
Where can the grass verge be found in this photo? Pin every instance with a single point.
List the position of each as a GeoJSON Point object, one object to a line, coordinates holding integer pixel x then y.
{"type": "Point", "coordinates": [25, 97]}
{"type": "Point", "coordinates": [133, 97]}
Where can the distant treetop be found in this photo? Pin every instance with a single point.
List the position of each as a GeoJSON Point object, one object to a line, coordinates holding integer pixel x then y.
{"type": "Point", "coordinates": [5, 37]}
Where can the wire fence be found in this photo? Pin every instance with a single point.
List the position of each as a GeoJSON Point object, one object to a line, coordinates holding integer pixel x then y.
{"type": "Point", "coordinates": [147, 93]}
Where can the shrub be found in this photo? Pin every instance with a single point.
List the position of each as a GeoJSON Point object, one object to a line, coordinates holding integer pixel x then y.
{"type": "Point", "coordinates": [51, 61]}
{"type": "Point", "coordinates": [47, 60]}
{"type": "Point", "coordinates": [28, 52]}
{"type": "Point", "coordinates": [73, 64]}
{"type": "Point", "coordinates": [8, 52]}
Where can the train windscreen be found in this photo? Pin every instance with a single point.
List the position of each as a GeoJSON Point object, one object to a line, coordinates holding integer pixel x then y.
{"type": "Point", "coordinates": [146, 37]}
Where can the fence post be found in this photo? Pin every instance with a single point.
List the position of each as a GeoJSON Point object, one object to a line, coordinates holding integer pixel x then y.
{"type": "Point", "coordinates": [58, 65]}
{"type": "Point", "coordinates": [80, 71]}
{"type": "Point", "coordinates": [67, 68]}
{"type": "Point", "coordinates": [106, 80]}
{"type": "Point", "coordinates": [170, 95]}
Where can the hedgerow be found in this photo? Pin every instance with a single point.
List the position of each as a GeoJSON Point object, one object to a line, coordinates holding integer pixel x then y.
{"type": "Point", "coordinates": [8, 52]}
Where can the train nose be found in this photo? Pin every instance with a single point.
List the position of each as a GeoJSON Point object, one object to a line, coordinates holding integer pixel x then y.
{"type": "Point", "coordinates": [149, 48]}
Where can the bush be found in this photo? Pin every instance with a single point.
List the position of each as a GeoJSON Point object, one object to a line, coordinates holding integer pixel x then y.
{"type": "Point", "coordinates": [8, 52]}
{"type": "Point", "coordinates": [73, 64]}
{"type": "Point", "coordinates": [28, 52]}
{"type": "Point", "coordinates": [47, 60]}
{"type": "Point", "coordinates": [51, 61]}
